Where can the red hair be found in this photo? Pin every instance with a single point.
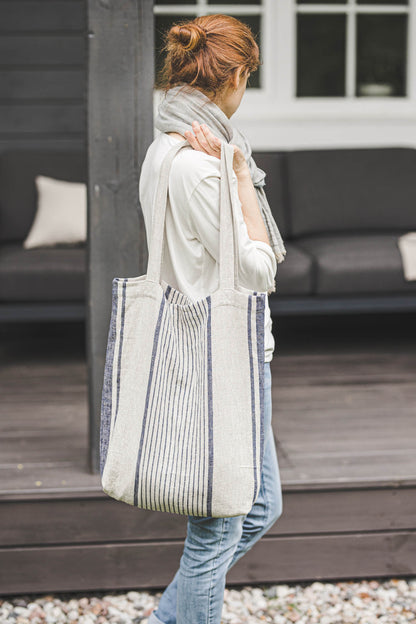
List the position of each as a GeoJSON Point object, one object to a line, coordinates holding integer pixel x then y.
{"type": "Point", "coordinates": [206, 51]}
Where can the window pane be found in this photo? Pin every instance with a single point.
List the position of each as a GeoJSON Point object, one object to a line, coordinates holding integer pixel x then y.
{"type": "Point", "coordinates": [164, 23]}
{"type": "Point", "coordinates": [381, 54]}
{"type": "Point", "coordinates": [320, 55]}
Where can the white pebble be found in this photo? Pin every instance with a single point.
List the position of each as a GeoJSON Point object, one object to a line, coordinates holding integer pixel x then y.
{"type": "Point", "coordinates": [73, 614]}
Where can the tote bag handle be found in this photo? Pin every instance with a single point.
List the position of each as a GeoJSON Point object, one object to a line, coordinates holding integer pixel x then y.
{"type": "Point", "coordinates": [228, 226]}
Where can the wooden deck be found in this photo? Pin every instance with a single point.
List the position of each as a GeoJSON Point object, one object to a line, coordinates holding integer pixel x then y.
{"type": "Point", "coordinates": [344, 413]}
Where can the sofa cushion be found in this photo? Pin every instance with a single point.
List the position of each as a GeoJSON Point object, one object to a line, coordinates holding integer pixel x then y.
{"type": "Point", "coordinates": [359, 263]}
{"type": "Point", "coordinates": [272, 164]}
{"type": "Point", "coordinates": [354, 189]}
{"type": "Point", "coordinates": [61, 215]}
{"type": "Point", "coordinates": [294, 274]}
{"type": "Point", "coordinates": [54, 274]}
{"type": "Point", "coordinates": [18, 169]}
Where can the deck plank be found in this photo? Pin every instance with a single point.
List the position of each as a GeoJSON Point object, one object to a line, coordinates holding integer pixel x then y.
{"type": "Point", "coordinates": [152, 565]}
{"type": "Point", "coordinates": [102, 519]}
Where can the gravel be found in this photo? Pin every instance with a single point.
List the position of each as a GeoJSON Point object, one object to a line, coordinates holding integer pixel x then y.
{"type": "Point", "coordinates": [383, 601]}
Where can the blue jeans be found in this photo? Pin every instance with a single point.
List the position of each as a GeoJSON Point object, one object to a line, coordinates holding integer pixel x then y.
{"type": "Point", "coordinates": [213, 545]}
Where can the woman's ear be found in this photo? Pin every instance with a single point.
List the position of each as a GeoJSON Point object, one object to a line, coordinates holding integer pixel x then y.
{"type": "Point", "coordinates": [237, 76]}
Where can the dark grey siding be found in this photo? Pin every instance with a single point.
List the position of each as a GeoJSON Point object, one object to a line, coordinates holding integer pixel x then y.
{"type": "Point", "coordinates": [43, 74]}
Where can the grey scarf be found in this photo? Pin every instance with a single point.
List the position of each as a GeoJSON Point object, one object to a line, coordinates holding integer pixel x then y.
{"type": "Point", "coordinates": [180, 106]}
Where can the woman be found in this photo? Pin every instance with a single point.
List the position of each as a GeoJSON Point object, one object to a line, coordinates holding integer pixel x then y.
{"type": "Point", "coordinates": [206, 68]}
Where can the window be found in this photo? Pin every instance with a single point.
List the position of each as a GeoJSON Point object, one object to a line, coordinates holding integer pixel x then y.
{"type": "Point", "coordinates": [351, 48]}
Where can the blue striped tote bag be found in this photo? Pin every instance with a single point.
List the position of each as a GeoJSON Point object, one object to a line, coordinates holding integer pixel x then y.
{"type": "Point", "coordinates": [182, 410]}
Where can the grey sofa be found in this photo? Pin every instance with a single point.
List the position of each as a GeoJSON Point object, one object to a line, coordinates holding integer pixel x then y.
{"type": "Point", "coordinates": [340, 212]}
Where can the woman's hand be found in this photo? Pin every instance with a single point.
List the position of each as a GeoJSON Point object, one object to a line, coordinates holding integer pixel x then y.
{"type": "Point", "coordinates": [205, 141]}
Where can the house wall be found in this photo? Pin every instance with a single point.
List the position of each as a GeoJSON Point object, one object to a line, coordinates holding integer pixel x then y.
{"type": "Point", "coordinates": [303, 133]}
{"type": "Point", "coordinates": [43, 74]}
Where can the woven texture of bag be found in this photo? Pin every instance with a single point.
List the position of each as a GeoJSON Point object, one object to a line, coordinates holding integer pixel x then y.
{"type": "Point", "coordinates": [182, 411]}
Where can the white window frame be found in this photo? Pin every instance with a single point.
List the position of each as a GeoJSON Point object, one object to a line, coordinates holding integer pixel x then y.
{"type": "Point", "coordinates": [276, 99]}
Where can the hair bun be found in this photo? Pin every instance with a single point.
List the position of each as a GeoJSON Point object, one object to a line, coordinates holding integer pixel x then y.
{"type": "Point", "coordinates": [190, 36]}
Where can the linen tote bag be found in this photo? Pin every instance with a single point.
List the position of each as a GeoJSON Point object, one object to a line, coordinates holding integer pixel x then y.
{"type": "Point", "coordinates": [182, 411]}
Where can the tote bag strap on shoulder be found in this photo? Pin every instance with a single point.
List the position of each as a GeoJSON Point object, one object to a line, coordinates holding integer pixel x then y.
{"type": "Point", "coordinates": [228, 272]}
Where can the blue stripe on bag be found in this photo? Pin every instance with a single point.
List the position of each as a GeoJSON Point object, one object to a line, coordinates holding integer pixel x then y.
{"type": "Point", "coordinates": [107, 402]}
{"type": "Point", "coordinates": [152, 434]}
{"type": "Point", "coordinates": [190, 418]}
{"type": "Point", "coordinates": [197, 434]}
{"type": "Point", "coordinates": [172, 381]}
{"type": "Point", "coordinates": [155, 341]}
{"type": "Point", "coordinates": [166, 392]}
{"type": "Point", "coordinates": [261, 303]}
{"type": "Point", "coordinates": [120, 347]}
{"type": "Point", "coordinates": [253, 400]}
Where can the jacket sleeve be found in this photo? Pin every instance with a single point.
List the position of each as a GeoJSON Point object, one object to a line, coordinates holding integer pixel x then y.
{"type": "Point", "coordinates": [257, 261]}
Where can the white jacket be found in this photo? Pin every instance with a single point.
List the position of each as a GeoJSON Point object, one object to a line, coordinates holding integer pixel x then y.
{"type": "Point", "coordinates": [191, 247]}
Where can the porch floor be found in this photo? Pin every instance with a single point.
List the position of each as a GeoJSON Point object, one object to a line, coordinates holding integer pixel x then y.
{"type": "Point", "coordinates": [344, 415]}
{"type": "Point", "coordinates": [344, 404]}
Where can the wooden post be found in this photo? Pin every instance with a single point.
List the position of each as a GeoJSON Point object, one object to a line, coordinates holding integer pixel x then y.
{"type": "Point", "coordinates": [120, 128]}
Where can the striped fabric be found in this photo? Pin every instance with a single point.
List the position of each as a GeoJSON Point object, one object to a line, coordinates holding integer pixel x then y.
{"type": "Point", "coordinates": [182, 413]}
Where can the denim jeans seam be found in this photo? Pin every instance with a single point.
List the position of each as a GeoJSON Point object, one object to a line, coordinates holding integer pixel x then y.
{"type": "Point", "coordinates": [245, 538]}
{"type": "Point", "coordinates": [213, 571]}
{"type": "Point", "coordinates": [267, 507]}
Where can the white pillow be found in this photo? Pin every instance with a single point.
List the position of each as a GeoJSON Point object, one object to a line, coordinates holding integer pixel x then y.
{"type": "Point", "coordinates": [61, 215]}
